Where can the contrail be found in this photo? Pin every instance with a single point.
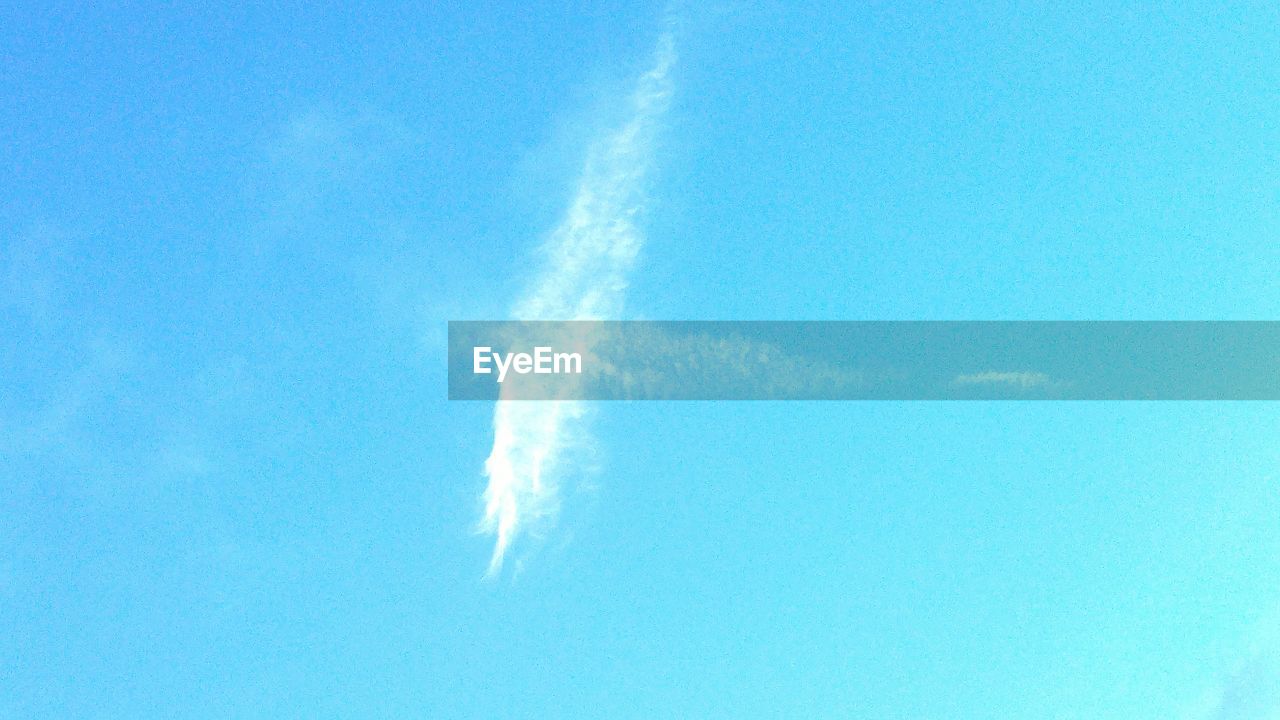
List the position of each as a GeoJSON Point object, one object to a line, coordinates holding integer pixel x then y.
{"type": "Point", "coordinates": [587, 258]}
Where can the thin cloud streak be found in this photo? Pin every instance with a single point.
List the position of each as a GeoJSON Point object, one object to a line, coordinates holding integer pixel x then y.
{"type": "Point", "coordinates": [1024, 379]}
{"type": "Point", "coordinates": [584, 277]}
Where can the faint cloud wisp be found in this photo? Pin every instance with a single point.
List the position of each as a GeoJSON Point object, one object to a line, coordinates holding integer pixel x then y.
{"type": "Point", "coordinates": [1024, 380]}
{"type": "Point", "coordinates": [587, 258]}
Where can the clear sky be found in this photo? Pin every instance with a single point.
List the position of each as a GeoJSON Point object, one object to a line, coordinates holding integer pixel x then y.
{"type": "Point", "coordinates": [230, 485]}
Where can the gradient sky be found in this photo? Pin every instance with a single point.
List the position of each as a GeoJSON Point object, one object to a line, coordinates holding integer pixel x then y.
{"type": "Point", "coordinates": [230, 485]}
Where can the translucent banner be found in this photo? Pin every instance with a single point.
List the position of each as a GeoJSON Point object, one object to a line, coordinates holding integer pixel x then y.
{"type": "Point", "coordinates": [913, 360]}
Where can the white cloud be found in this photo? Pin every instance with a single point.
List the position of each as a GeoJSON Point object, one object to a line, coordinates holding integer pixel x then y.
{"type": "Point", "coordinates": [586, 261]}
{"type": "Point", "coordinates": [1251, 691]}
{"type": "Point", "coordinates": [1022, 379]}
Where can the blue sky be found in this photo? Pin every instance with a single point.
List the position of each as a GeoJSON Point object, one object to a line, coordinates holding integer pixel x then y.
{"type": "Point", "coordinates": [232, 485]}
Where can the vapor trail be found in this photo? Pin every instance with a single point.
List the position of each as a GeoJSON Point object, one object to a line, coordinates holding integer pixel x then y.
{"type": "Point", "coordinates": [587, 257]}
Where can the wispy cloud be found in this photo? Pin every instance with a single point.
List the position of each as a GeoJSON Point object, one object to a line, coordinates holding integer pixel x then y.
{"type": "Point", "coordinates": [584, 277]}
{"type": "Point", "coordinates": [1021, 379]}
{"type": "Point", "coordinates": [1251, 691]}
